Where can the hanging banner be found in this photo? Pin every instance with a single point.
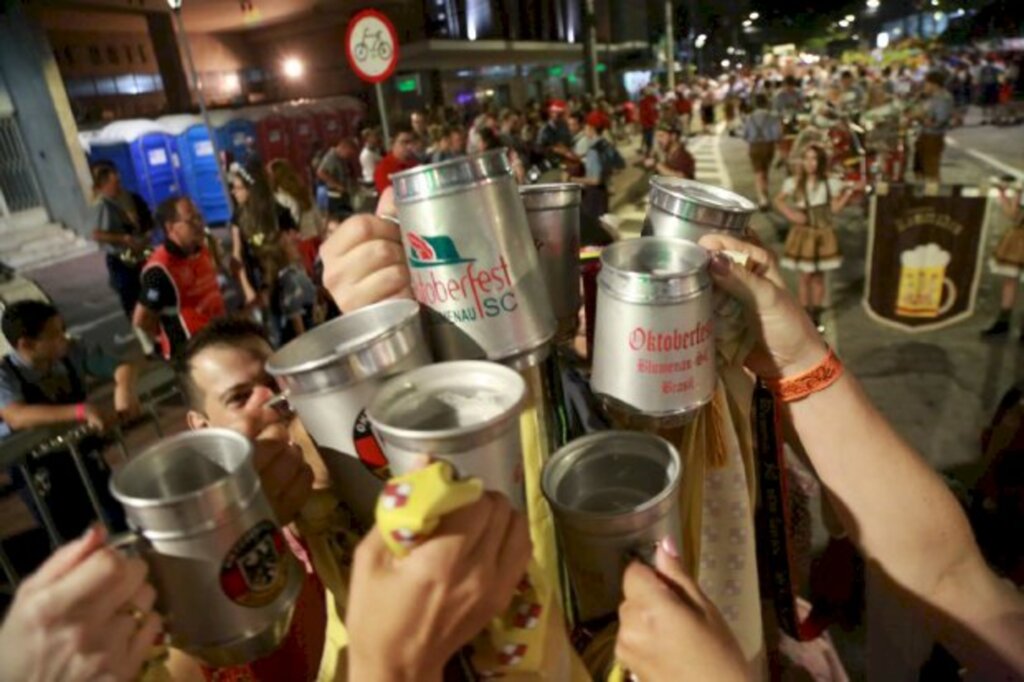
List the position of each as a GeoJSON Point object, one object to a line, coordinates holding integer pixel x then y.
{"type": "Point", "coordinates": [925, 255]}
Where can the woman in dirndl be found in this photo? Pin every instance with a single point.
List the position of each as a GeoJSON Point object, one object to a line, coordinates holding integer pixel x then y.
{"type": "Point", "coordinates": [810, 200]}
{"type": "Point", "coordinates": [1008, 260]}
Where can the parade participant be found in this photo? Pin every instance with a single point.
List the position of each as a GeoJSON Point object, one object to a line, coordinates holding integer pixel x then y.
{"type": "Point", "coordinates": [788, 104]}
{"type": "Point", "coordinates": [708, 100]}
{"type": "Point", "coordinates": [402, 156]}
{"type": "Point", "coordinates": [180, 294]}
{"type": "Point", "coordinates": [43, 383]}
{"type": "Point", "coordinates": [597, 172]}
{"type": "Point", "coordinates": [1008, 260]}
{"type": "Point", "coordinates": [335, 171]}
{"type": "Point", "coordinates": [810, 201]}
{"type": "Point", "coordinates": [930, 555]}
{"type": "Point", "coordinates": [86, 614]}
{"type": "Point", "coordinates": [675, 160]}
{"type": "Point", "coordinates": [935, 121]}
{"type": "Point", "coordinates": [762, 130]}
{"type": "Point", "coordinates": [648, 107]}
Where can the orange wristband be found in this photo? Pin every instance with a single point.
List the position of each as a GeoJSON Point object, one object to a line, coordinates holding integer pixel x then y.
{"type": "Point", "coordinates": [817, 378]}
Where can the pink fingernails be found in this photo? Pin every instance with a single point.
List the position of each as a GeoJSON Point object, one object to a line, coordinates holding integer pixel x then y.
{"type": "Point", "coordinates": [668, 545]}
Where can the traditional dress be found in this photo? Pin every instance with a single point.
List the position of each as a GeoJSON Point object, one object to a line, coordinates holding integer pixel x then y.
{"type": "Point", "coordinates": [813, 247]}
{"type": "Point", "coordinates": [1008, 258]}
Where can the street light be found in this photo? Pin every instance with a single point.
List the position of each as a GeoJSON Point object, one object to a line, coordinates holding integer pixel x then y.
{"type": "Point", "coordinates": [754, 16]}
{"type": "Point", "coordinates": [874, 4]}
{"type": "Point", "coordinates": [850, 18]}
{"type": "Point", "coordinates": [175, 6]}
{"type": "Point", "coordinates": [725, 63]}
{"type": "Point", "coordinates": [699, 42]}
{"type": "Point", "coordinates": [747, 23]}
{"type": "Point", "coordinates": [293, 68]}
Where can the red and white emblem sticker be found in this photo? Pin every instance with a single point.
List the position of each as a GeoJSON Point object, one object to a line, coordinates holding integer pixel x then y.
{"type": "Point", "coordinates": [254, 572]}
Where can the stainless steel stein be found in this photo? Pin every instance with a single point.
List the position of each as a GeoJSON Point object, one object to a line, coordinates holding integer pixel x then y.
{"type": "Point", "coordinates": [553, 213]}
{"type": "Point", "coordinates": [689, 209]}
{"type": "Point", "coordinates": [472, 260]}
{"type": "Point", "coordinates": [226, 581]}
{"type": "Point", "coordinates": [329, 375]}
{"type": "Point", "coordinates": [464, 412]}
{"type": "Point", "coordinates": [654, 342]}
{"type": "Point", "coordinates": [614, 496]}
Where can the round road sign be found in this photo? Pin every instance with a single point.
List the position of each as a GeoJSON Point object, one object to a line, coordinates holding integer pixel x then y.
{"type": "Point", "coordinates": [371, 45]}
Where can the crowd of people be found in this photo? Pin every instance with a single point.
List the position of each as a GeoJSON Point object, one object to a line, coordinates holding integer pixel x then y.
{"type": "Point", "coordinates": [306, 245]}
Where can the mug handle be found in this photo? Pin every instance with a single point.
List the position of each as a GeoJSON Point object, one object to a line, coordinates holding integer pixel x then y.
{"type": "Point", "coordinates": [950, 288]}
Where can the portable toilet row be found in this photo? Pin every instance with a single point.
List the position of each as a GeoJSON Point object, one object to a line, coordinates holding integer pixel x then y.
{"type": "Point", "coordinates": [199, 165]}
{"type": "Point", "coordinates": [143, 154]}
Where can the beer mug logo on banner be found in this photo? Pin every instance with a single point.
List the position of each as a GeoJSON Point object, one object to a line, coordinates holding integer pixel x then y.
{"type": "Point", "coordinates": [923, 282]}
{"type": "Point", "coordinates": [465, 291]}
{"type": "Point", "coordinates": [253, 573]}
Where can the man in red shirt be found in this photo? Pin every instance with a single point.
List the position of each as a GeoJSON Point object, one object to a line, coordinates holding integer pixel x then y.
{"type": "Point", "coordinates": [648, 119]}
{"type": "Point", "coordinates": [180, 293]}
{"type": "Point", "coordinates": [401, 157]}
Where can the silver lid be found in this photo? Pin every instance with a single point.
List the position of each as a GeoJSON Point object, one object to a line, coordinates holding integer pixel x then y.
{"type": "Point", "coordinates": [654, 270]}
{"type": "Point", "coordinates": [353, 347]}
{"type": "Point", "coordinates": [550, 196]}
{"type": "Point", "coordinates": [706, 205]}
{"type": "Point", "coordinates": [648, 466]}
{"type": "Point", "coordinates": [448, 407]}
{"type": "Point", "coordinates": [436, 179]}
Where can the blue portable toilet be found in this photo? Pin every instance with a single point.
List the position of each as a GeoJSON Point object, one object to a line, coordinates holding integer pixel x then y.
{"type": "Point", "coordinates": [143, 154]}
{"type": "Point", "coordinates": [198, 164]}
{"type": "Point", "coordinates": [236, 133]}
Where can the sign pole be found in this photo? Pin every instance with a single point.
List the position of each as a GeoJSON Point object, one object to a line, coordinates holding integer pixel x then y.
{"type": "Point", "coordinates": [385, 126]}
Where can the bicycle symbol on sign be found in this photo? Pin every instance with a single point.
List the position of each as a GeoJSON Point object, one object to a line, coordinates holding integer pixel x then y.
{"type": "Point", "coordinates": [372, 44]}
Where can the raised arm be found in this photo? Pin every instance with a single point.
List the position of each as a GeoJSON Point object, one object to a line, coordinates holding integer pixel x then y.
{"type": "Point", "coordinates": [893, 505]}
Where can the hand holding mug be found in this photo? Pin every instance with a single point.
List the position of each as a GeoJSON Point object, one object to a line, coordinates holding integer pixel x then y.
{"type": "Point", "coordinates": [663, 604]}
{"type": "Point", "coordinates": [788, 342]}
{"type": "Point", "coordinates": [407, 616]}
{"type": "Point", "coordinates": [364, 260]}
{"type": "Point", "coordinates": [85, 614]}
{"type": "Point", "coordinates": [286, 479]}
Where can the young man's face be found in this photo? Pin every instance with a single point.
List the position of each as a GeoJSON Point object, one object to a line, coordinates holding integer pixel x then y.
{"type": "Point", "coordinates": [404, 147]}
{"type": "Point", "coordinates": [664, 139]}
{"type": "Point", "coordinates": [50, 346]}
{"type": "Point", "coordinates": [226, 378]}
{"type": "Point", "coordinates": [187, 229]}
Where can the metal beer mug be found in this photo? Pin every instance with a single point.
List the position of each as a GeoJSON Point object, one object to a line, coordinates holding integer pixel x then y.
{"type": "Point", "coordinates": [654, 345]}
{"type": "Point", "coordinates": [553, 213]}
{"type": "Point", "coordinates": [464, 412]}
{"type": "Point", "coordinates": [689, 209]}
{"type": "Point", "coordinates": [226, 581]}
{"type": "Point", "coordinates": [472, 261]}
{"type": "Point", "coordinates": [614, 496]}
{"type": "Point", "coordinates": [330, 373]}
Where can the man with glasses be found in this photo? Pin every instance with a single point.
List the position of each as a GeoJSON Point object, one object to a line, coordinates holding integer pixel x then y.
{"type": "Point", "coordinates": [180, 294]}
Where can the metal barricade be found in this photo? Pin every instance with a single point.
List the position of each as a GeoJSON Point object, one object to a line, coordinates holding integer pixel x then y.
{"type": "Point", "coordinates": [154, 387]}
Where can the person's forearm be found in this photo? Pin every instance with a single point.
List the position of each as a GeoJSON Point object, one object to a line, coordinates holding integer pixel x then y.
{"type": "Point", "coordinates": [125, 377]}
{"type": "Point", "coordinates": [146, 320]}
{"type": "Point", "coordinates": [112, 238]}
{"type": "Point", "coordinates": [892, 504]}
{"type": "Point", "coordinates": [380, 671]}
{"type": "Point", "coordinates": [20, 417]}
{"type": "Point", "coordinates": [667, 170]}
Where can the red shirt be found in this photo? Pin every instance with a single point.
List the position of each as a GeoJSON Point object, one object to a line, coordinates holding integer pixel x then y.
{"type": "Point", "coordinates": [388, 165]}
{"type": "Point", "coordinates": [649, 111]}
